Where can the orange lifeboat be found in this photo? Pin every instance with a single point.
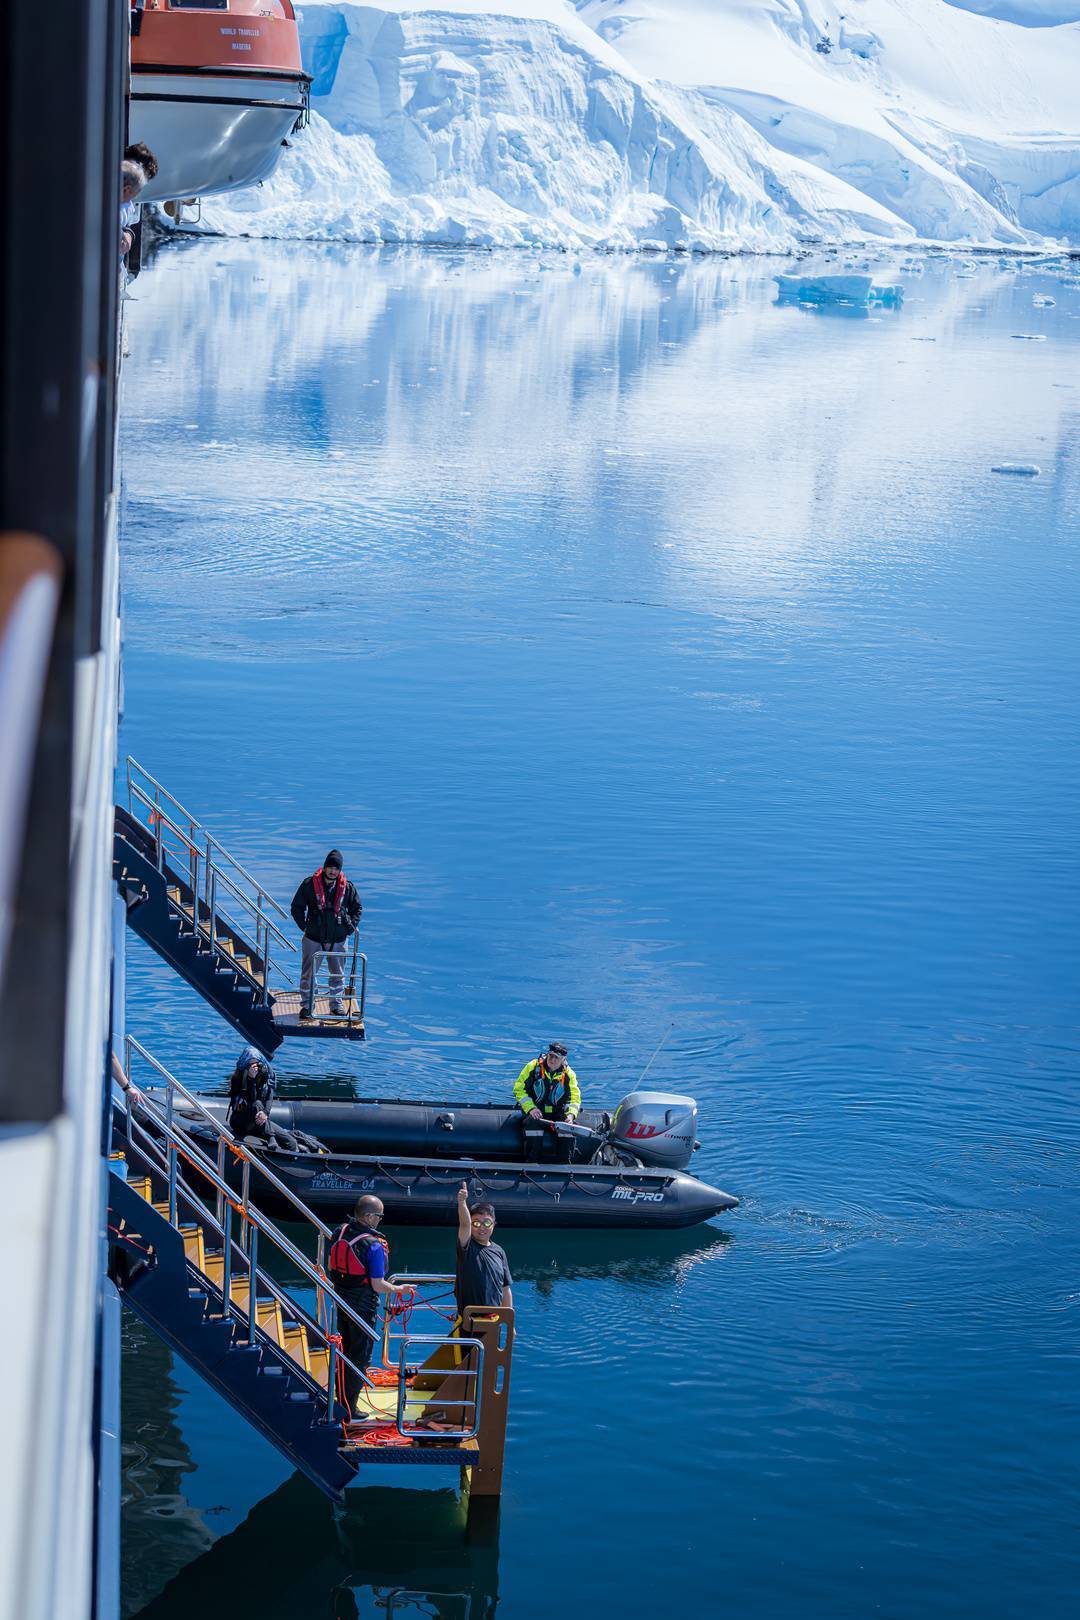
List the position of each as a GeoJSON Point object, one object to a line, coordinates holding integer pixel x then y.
{"type": "Point", "coordinates": [216, 86]}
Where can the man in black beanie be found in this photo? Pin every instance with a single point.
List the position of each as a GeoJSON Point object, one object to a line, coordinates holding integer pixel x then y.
{"type": "Point", "coordinates": [326, 907]}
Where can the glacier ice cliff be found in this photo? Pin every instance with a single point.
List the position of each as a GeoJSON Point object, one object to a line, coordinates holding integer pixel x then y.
{"type": "Point", "coordinates": [753, 125]}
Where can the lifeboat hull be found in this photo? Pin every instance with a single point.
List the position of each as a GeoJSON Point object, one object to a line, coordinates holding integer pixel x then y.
{"type": "Point", "coordinates": [214, 92]}
{"type": "Point", "coordinates": [211, 136]}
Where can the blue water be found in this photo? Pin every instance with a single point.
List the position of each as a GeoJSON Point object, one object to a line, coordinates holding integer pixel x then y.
{"type": "Point", "coordinates": [662, 660]}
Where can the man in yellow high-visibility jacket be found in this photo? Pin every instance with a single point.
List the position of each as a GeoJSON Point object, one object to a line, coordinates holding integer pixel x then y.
{"type": "Point", "coordinates": [547, 1088]}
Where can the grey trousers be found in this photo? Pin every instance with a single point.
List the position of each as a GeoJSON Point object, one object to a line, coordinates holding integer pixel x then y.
{"type": "Point", "coordinates": [310, 953]}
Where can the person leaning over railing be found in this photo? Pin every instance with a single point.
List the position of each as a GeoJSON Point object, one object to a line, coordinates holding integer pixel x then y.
{"type": "Point", "coordinates": [357, 1266]}
{"type": "Point", "coordinates": [132, 180]}
{"type": "Point", "coordinates": [138, 152]}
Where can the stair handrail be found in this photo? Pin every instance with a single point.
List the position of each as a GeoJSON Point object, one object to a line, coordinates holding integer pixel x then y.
{"type": "Point", "coordinates": [207, 900]}
{"type": "Point", "coordinates": [248, 1212]}
{"type": "Point", "coordinates": [132, 764]}
{"type": "Point", "coordinates": [202, 852]}
{"type": "Point", "coordinates": [133, 1044]}
{"type": "Point", "coordinates": [257, 1278]}
{"type": "Point", "coordinates": [206, 875]}
{"type": "Point", "coordinates": [251, 1214]}
{"type": "Point", "coordinates": [271, 927]}
{"type": "Point", "coordinates": [196, 856]}
{"type": "Point", "coordinates": [152, 1153]}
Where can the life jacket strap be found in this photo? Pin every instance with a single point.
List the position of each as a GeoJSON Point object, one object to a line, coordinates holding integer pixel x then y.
{"type": "Point", "coordinates": [320, 891]}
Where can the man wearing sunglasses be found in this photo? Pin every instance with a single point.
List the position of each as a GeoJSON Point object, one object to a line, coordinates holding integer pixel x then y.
{"type": "Point", "coordinates": [483, 1271]}
{"type": "Point", "coordinates": [483, 1278]}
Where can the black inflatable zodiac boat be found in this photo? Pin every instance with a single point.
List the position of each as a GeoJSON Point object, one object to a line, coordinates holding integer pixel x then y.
{"type": "Point", "coordinates": [621, 1170]}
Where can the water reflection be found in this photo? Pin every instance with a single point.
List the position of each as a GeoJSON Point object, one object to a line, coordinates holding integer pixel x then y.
{"type": "Point", "coordinates": [436, 391]}
{"type": "Point", "coordinates": [162, 1532]}
{"type": "Point", "coordinates": [388, 1551]}
{"type": "Point", "coordinates": [636, 1259]}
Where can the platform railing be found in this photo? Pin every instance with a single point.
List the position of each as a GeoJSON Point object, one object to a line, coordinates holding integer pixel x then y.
{"type": "Point", "coordinates": [226, 901]}
{"type": "Point", "coordinates": [432, 1294]}
{"type": "Point", "coordinates": [156, 1129]}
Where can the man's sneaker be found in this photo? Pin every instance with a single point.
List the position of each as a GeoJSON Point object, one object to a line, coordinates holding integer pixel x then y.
{"type": "Point", "coordinates": [306, 1014]}
{"type": "Point", "coordinates": [338, 1009]}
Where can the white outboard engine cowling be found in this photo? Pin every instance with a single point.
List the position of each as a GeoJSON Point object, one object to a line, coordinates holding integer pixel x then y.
{"type": "Point", "coordinates": [656, 1128]}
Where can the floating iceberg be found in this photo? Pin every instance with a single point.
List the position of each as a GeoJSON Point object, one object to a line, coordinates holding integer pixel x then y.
{"type": "Point", "coordinates": [855, 290]}
{"type": "Point", "coordinates": [1018, 469]}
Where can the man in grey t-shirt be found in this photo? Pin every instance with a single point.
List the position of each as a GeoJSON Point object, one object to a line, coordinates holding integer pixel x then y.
{"type": "Point", "coordinates": [483, 1278]}
{"type": "Point", "coordinates": [483, 1272]}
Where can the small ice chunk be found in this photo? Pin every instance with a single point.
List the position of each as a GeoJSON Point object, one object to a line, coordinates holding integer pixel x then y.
{"type": "Point", "coordinates": [1029, 337]}
{"type": "Point", "coordinates": [1043, 301]}
{"type": "Point", "coordinates": [1018, 469]}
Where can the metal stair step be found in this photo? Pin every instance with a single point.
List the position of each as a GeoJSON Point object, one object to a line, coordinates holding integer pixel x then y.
{"type": "Point", "coordinates": [319, 1363]}
{"type": "Point", "coordinates": [194, 1244]}
{"type": "Point", "coordinates": [295, 1343]}
{"type": "Point", "coordinates": [141, 1185]}
{"type": "Point", "coordinates": [267, 1311]}
{"type": "Point", "coordinates": [213, 1266]}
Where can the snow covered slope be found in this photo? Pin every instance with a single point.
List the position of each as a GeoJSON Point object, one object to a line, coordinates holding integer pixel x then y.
{"type": "Point", "coordinates": [1028, 13]}
{"type": "Point", "coordinates": [960, 125]}
{"type": "Point", "coordinates": [715, 124]}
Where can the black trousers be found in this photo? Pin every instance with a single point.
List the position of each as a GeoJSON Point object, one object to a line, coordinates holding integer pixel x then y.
{"type": "Point", "coordinates": [359, 1348]}
{"type": "Point", "coordinates": [543, 1146]}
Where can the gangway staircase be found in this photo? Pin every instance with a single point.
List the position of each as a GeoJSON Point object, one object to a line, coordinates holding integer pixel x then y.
{"type": "Point", "coordinates": [191, 1254]}
{"type": "Point", "coordinates": [216, 926]}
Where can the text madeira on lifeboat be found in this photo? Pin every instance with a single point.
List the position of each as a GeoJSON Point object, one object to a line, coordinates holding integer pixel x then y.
{"type": "Point", "coordinates": [216, 86]}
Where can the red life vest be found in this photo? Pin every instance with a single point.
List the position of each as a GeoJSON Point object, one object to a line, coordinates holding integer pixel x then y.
{"type": "Point", "coordinates": [348, 1254]}
{"type": "Point", "coordinates": [320, 892]}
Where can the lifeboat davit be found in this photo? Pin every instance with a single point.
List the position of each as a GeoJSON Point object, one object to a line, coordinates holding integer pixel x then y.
{"type": "Point", "coordinates": [216, 86]}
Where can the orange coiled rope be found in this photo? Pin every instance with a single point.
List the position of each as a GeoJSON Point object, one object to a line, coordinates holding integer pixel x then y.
{"type": "Point", "coordinates": [385, 1434]}
{"type": "Point", "coordinates": [386, 1377]}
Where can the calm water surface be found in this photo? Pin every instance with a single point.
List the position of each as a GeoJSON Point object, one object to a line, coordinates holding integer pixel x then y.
{"type": "Point", "coordinates": [658, 657]}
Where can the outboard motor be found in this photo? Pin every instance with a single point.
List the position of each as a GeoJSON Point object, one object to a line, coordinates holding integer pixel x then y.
{"type": "Point", "coordinates": [657, 1128]}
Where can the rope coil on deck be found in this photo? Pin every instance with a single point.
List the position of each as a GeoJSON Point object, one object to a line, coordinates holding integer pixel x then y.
{"type": "Point", "coordinates": [383, 1434]}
